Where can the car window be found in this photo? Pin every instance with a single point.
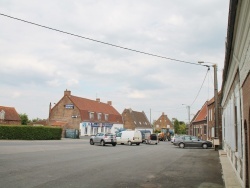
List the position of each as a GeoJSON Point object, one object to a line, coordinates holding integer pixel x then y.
{"type": "Point", "coordinates": [101, 134]}
{"type": "Point", "coordinates": [118, 134]}
{"type": "Point", "coordinates": [194, 138]}
{"type": "Point", "coordinates": [108, 134]}
{"type": "Point", "coordinates": [187, 138]}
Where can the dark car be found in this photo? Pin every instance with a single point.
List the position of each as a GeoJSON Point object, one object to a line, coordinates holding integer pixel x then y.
{"type": "Point", "coordinates": [192, 141]}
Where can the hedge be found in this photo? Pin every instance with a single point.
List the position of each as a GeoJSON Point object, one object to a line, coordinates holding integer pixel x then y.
{"type": "Point", "coordinates": [24, 132]}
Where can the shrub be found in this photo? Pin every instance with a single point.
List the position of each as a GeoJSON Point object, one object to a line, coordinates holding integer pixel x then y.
{"type": "Point", "coordinates": [23, 132]}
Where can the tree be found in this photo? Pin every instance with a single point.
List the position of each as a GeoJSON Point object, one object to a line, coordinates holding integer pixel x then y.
{"type": "Point", "coordinates": [24, 119]}
{"type": "Point", "coordinates": [179, 127]}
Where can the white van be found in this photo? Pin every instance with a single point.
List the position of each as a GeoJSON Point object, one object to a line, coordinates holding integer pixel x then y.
{"type": "Point", "coordinates": [129, 137]}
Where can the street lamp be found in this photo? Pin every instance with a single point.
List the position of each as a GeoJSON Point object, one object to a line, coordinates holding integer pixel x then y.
{"type": "Point", "coordinates": [188, 108]}
{"type": "Point", "coordinates": [216, 127]}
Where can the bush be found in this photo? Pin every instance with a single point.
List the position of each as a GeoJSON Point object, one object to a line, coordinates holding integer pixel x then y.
{"type": "Point", "coordinates": [23, 132]}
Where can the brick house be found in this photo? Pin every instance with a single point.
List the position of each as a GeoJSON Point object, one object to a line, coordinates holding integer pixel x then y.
{"type": "Point", "coordinates": [211, 119]}
{"type": "Point", "coordinates": [199, 123]}
{"type": "Point", "coordinates": [87, 116]}
{"type": "Point", "coordinates": [163, 122]}
{"type": "Point", "coordinates": [9, 116]}
{"type": "Point", "coordinates": [136, 120]}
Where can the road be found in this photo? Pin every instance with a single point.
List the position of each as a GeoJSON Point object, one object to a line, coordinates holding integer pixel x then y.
{"type": "Point", "coordinates": [75, 163]}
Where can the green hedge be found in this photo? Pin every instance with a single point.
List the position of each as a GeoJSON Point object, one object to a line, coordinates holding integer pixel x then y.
{"type": "Point", "coordinates": [23, 132]}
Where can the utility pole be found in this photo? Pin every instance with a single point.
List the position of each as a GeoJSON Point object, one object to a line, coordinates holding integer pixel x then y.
{"type": "Point", "coordinates": [216, 109]}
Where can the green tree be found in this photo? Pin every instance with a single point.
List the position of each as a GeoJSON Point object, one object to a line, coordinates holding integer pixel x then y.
{"type": "Point", "coordinates": [24, 119]}
{"type": "Point", "coordinates": [179, 127]}
{"type": "Point", "coordinates": [176, 126]}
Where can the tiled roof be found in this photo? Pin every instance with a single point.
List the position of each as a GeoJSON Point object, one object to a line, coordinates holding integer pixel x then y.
{"type": "Point", "coordinates": [10, 113]}
{"type": "Point", "coordinates": [91, 105]}
{"type": "Point", "coordinates": [138, 118]}
{"type": "Point", "coordinates": [86, 105]}
{"type": "Point", "coordinates": [202, 114]}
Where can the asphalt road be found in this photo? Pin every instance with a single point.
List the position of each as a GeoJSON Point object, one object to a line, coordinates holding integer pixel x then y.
{"type": "Point", "coordinates": [75, 163]}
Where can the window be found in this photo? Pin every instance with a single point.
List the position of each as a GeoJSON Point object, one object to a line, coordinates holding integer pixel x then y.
{"type": "Point", "coordinates": [135, 122]}
{"type": "Point", "coordinates": [91, 115]}
{"type": "Point", "coordinates": [99, 116]}
{"type": "Point", "coordinates": [106, 117]}
{"type": "Point", "coordinates": [205, 129]}
{"type": "Point", "coordinates": [194, 138]}
{"type": "Point", "coordinates": [2, 114]}
{"type": "Point", "coordinates": [187, 138]}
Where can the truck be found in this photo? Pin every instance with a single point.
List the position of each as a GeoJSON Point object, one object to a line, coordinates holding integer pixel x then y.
{"type": "Point", "coordinates": [164, 134]}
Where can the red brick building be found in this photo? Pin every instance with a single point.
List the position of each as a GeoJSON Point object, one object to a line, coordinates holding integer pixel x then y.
{"type": "Point", "coordinates": [9, 116]}
{"type": "Point", "coordinates": [199, 123]}
{"type": "Point", "coordinates": [87, 116]}
{"type": "Point", "coordinates": [163, 122]}
{"type": "Point", "coordinates": [135, 120]}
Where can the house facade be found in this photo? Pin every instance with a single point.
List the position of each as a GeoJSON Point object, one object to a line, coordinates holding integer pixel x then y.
{"type": "Point", "coordinates": [135, 120]}
{"type": "Point", "coordinates": [235, 100]}
{"type": "Point", "coordinates": [163, 122]}
{"type": "Point", "coordinates": [199, 123]}
{"type": "Point", "coordinates": [211, 119]}
{"type": "Point", "coordinates": [84, 115]}
{"type": "Point", "coordinates": [9, 116]}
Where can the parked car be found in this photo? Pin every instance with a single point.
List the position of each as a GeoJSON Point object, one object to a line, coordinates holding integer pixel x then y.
{"type": "Point", "coordinates": [192, 141]}
{"type": "Point", "coordinates": [145, 134]}
{"type": "Point", "coordinates": [103, 139]}
{"type": "Point", "coordinates": [152, 139]}
{"type": "Point", "coordinates": [175, 137]}
{"type": "Point", "coordinates": [129, 137]}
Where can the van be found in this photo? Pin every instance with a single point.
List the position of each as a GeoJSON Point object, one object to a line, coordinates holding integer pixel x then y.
{"type": "Point", "coordinates": [129, 137]}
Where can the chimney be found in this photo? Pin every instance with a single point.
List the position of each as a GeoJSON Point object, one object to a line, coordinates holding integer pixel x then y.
{"type": "Point", "coordinates": [109, 103]}
{"type": "Point", "coordinates": [163, 113]}
{"type": "Point", "coordinates": [66, 92]}
{"type": "Point", "coordinates": [97, 99]}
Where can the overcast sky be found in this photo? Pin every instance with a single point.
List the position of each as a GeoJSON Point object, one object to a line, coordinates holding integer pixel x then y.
{"type": "Point", "coordinates": [37, 64]}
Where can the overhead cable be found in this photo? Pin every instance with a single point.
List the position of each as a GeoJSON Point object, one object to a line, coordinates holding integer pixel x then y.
{"type": "Point", "coordinates": [98, 41]}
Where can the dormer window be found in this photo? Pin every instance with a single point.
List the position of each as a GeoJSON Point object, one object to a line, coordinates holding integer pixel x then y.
{"type": "Point", "coordinates": [91, 115]}
{"type": "Point", "coordinates": [99, 116]}
{"type": "Point", "coordinates": [135, 122]}
{"type": "Point", "coordinates": [106, 117]}
{"type": "Point", "coordinates": [2, 114]}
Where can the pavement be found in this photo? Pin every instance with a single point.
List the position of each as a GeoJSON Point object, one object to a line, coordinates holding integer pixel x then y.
{"type": "Point", "coordinates": [229, 175]}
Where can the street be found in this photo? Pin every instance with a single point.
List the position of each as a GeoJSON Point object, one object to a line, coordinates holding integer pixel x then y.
{"type": "Point", "coordinates": [75, 163]}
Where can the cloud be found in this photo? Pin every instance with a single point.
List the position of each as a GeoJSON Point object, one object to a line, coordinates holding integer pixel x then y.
{"type": "Point", "coordinates": [38, 64]}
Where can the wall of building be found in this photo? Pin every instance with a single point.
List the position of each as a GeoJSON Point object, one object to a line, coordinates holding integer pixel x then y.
{"type": "Point", "coordinates": [64, 111]}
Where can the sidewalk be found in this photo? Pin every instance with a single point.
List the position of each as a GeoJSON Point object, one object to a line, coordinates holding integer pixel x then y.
{"type": "Point", "coordinates": [229, 176]}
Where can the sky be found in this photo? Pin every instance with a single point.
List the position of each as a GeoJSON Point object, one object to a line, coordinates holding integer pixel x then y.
{"type": "Point", "coordinates": [37, 64]}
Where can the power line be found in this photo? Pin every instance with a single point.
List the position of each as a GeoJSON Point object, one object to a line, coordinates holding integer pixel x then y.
{"type": "Point", "coordinates": [98, 41]}
{"type": "Point", "coordinates": [201, 86]}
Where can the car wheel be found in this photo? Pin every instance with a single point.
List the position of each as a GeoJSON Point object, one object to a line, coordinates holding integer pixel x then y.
{"type": "Point", "coordinates": [204, 146]}
{"type": "Point", "coordinates": [91, 142]}
{"type": "Point", "coordinates": [130, 143]}
{"type": "Point", "coordinates": [114, 144]}
{"type": "Point", "coordinates": [181, 145]}
{"type": "Point", "coordinates": [102, 143]}
{"type": "Point", "coordinates": [156, 143]}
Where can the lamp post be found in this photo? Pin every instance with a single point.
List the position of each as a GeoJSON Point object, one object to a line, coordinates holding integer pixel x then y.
{"type": "Point", "coordinates": [188, 109]}
{"type": "Point", "coordinates": [216, 109]}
